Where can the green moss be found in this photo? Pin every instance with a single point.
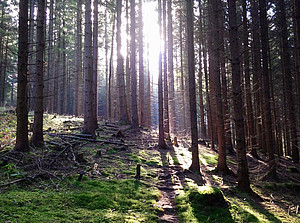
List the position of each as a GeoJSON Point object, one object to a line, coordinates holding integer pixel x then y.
{"type": "Point", "coordinates": [88, 201]}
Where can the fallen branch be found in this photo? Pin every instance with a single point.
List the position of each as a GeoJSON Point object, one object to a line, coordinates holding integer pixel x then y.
{"type": "Point", "coordinates": [13, 182]}
{"type": "Point", "coordinates": [86, 139]}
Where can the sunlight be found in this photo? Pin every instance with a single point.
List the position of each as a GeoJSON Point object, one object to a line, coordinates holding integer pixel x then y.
{"type": "Point", "coordinates": [151, 35]}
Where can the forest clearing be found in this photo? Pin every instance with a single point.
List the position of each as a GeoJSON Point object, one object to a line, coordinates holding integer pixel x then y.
{"type": "Point", "coordinates": [72, 179]}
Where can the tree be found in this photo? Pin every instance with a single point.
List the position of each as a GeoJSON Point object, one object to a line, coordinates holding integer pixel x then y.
{"type": "Point", "coordinates": [95, 65]}
{"type": "Point", "coordinates": [195, 166]}
{"type": "Point", "coordinates": [249, 106]}
{"type": "Point", "coordinates": [22, 110]}
{"type": "Point", "coordinates": [165, 77]}
{"type": "Point", "coordinates": [37, 137]}
{"type": "Point", "coordinates": [266, 85]}
{"type": "Point", "coordinates": [288, 83]}
{"type": "Point", "coordinates": [141, 66]}
{"type": "Point", "coordinates": [171, 67]}
{"type": "Point", "coordinates": [215, 84]}
{"type": "Point", "coordinates": [50, 59]}
{"type": "Point", "coordinates": [242, 172]}
{"type": "Point", "coordinates": [120, 68]}
{"type": "Point", "coordinates": [89, 127]}
{"type": "Point", "coordinates": [161, 138]}
{"type": "Point", "coordinates": [77, 110]}
{"type": "Point", "coordinates": [134, 109]}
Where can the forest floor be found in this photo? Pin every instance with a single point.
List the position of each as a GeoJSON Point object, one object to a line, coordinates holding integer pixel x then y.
{"type": "Point", "coordinates": [75, 178]}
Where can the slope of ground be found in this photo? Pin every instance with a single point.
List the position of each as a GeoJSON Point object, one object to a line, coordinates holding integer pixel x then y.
{"type": "Point", "coordinates": [75, 178]}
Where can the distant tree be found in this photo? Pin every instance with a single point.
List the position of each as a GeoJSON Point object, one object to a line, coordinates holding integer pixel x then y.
{"type": "Point", "coordinates": [50, 66]}
{"type": "Point", "coordinates": [195, 166]}
{"type": "Point", "coordinates": [165, 72]}
{"type": "Point", "coordinates": [214, 82]}
{"type": "Point", "coordinates": [237, 92]}
{"type": "Point", "coordinates": [141, 66]}
{"type": "Point", "coordinates": [22, 110]}
{"type": "Point", "coordinates": [37, 137]}
{"type": "Point", "coordinates": [95, 65]}
{"type": "Point", "coordinates": [89, 119]}
{"type": "Point", "coordinates": [124, 118]}
{"type": "Point", "coordinates": [266, 85]}
{"type": "Point", "coordinates": [171, 66]}
{"type": "Point", "coordinates": [77, 110]}
{"type": "Point", "coordinates": [134, 109]}
{"type": "Point", "coordinates": [161, 138]}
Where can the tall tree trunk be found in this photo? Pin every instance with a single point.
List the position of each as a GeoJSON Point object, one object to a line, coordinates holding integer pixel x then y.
{"type": "Point", "coordinates": [50, 59]}
{"type": "Point", "coordinates": [120, 68]}
{"type": "Point", "coordinates": [141, 67]}
{"type": "Point", "coordinates": [287, 74]}
{"type": "Point", "coordinates": [249, 108]}
{"type": "Point", "coordinates": [134, 109]}
{"type": "Point", "coordinates": [200, 77]}
{"type": "Point", "coordinates": [148, 123]}
{"type": "Point", "coordinates": [110, 75]}
{"type": "Point", "coordinates": [128, 74]}
{"type": "Point", "coordinates": [195, 166]}
{"type": "Point", "coordinates": [64, 89]}
{"type": "Point", "coordinates": [89, 126]}
{"type": "Point", "coordinates": [78, 59]}
{"type": "Point", "coordinates": [256, 73]}
{"type": "Point", "coordinates": [266, 85]}
{"type": "Point", "coordinates": [161, 138]}
{"type": "Point", "coordinates": [22, 110]}
{"type": "Point", "coordinates": [215, 84]}
{"type": "Point", "coordinates": [226, 112]}
{"type": "Point", "coordinates": [95, 65]}
{"type": "Point", "coordinates": [242, 172]}
{"type": "Point", "coordinates": [171, 68]}
{"type": "Point", "coordinates": [37, 137]}
{"type": "Point", "coordinates": [166, 90]}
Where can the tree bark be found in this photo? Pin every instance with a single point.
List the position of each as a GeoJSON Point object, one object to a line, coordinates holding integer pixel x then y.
{"type": "Point", "coordinates": [120, 68]}
{"type": "Point", "coordinates": [195, 166]}
{"type": "Point", "coordinates": [134, 109]}
{"type": "Point", "coordinates": [95, 65]}
{"type": "Point", "coordinates": [171, 67]}
{"type": "Point", "coordinates": [22, 110]}
{"type": "Point", "coordinates": [161, 138]}
{"type": "Point", "coordinates": [37, 137]}
{"type": "Point", "coordinates": [215, 84]}
{"type": "Point", "coordinates": [287, 75]}
{"type": "Point", "coordinates": [266, 85]}
{"type": "Point", "coordinates": [89, 127]}
{"type": "Point", "coordinates": [242, 172]}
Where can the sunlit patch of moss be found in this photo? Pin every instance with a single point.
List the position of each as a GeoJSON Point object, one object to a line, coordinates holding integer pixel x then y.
{"type": "Point", "coordinates": [87, 201]}
{"type": "Point", "coordinates": [208, 159]}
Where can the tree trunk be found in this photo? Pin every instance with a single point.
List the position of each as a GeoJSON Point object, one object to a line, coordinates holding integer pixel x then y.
{"type": "Point", "coordinates": [89, 127]}
{"type": "Point", "coordinates": [242, 172]}
{"type": "Point", "coordinates": [287, 74]}
{"type": "Point", "coordinates": [50, 59]}
{"type": "Point", "coordinates": [78, 58]}
{"type": "Point", "coordinates": [195, 166]}
{"type": "Point", "coordinates": [110, 75]}
{"type": "Point", "coordinates": [166, 90]}
{"type": "Point", "coordinates": [181, 72]}
{"type": "Point", "coordinates": [128, 74]}
{"type": "Point", "coordinates": [200, 77]}
{"type": "Point", "coordinates": [161, 138]}
{"type": "Point", "coordinates": [134, 109]}
{"type": "Point", "coordinates": [22, 110]}
{"type": "Point", "coordinates": [120, 68]}
{"type": "Point", "coordinates": [249, 108]}
{"type": "Point", "coordinates": [215, 84]}
{"type": "Point", "coordinates": [37, 137]}
{"type": "Point", "coordinates": [266, 85]}
{"type": "Point", "coordinates": [95, 65]}
{"type": "Point", "coordinates": [171, 67]}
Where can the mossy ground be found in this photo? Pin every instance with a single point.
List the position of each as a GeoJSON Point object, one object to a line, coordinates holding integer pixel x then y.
{"type": "Point", "coordinates": [110, 193]}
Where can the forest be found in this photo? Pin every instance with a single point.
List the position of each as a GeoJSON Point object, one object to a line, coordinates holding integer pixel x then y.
{"type": "Point", "coordinates": [149, 111]}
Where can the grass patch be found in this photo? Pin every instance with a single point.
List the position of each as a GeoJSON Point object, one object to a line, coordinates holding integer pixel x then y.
{"type": "Point", "coordinates": [87, 201]}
